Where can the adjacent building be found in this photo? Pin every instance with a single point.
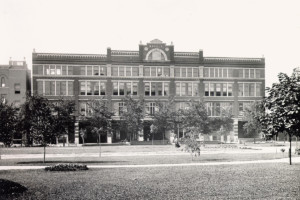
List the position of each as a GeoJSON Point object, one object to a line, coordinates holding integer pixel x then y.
{"type": "Point", "coordinates": [154, 72]}
{"type": "Point", "coordinates": [14, 82]}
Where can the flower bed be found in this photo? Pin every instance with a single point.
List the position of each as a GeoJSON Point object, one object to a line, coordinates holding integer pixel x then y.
{"type": "Point", "coordinates": [66, 167]}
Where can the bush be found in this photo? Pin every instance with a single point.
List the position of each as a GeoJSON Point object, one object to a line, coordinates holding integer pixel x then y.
{"type": "Point", "coordinates": [66, 167]}
{"type": "Point", "coordinates": [10, 188]}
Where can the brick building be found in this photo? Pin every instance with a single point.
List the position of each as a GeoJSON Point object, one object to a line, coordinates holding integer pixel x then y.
{"type": "Point", "coordinates": [154, 72]}
{"type": "Point", "coordinates": [14, 82]}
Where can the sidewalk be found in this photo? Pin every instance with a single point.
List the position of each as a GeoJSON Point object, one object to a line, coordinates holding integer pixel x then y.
{"type": "Point", "coordinates": [284, 160]}
{"type": "Point", "coordinates": [141, 153]}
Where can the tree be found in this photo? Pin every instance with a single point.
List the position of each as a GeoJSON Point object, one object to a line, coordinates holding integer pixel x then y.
{"type": "Point", "coordinates": [195, 121]}
{"type": "Point", "coordinates": [40, 120]}
{"type": "Point", "coordinates": [283, 107]}
{"type": "Point", "coordinates": [253, 126]}
{"type": "Point", "coordinates": [162, 118]}
{"type": "Point", "coordinates": [223, 123]}
{"type": "Point", "coordinates": [63, 111]}
{"type": "Point", "coordinates": [131, 117]}
{"type": "Point", "coordinates": [8, 120]}
{"type": "Point", "coordinates": [99, 119]}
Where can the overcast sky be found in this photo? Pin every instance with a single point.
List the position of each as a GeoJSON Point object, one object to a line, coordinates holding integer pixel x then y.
{"type": "Point", "coordinates": [222, 28]}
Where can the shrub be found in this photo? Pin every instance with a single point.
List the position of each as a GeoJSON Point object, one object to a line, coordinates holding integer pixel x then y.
{"type": "Point", "coordinates": [66, 167]}
{"type": "Point", "coordinates": [10, 188]}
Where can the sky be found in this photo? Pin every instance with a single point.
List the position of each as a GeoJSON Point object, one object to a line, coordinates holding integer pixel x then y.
{"type": "Point", "coordinates": [231, 28]}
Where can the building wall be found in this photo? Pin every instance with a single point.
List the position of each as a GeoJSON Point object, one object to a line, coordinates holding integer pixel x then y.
{"type": "Point", "coordinates": [17, 81]}
{"type": "Point", "coordinates": [239, 72]}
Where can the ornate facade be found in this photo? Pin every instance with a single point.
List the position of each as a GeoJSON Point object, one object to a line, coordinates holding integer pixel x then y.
{"type": "Point", "coordinates": [154, 72]}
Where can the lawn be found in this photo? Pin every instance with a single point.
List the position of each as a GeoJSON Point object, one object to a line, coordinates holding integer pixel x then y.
{"type": "Point", "coordinates": [252, 181]}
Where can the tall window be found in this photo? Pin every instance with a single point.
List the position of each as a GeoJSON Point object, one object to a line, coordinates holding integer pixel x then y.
{"type": "Point", "coordinates": [151, 107]}
{"type": "Point", "coordinates": [125, 71]}
{"type": "Point", "coordinates": [40, 86]}
{"type": "Point", "coordinates": [187, 89]}
{"type": "Point", "coordinates": [218, 89]}
{"type": "Point", "coordinates": [94, 88]}
{"type": "Point", "coordinates": [156, 88]}
{"type": "Point", "coordinates": [186, 72]}
{"type": "Point", "coordinates": [125, 88]}
{"type": "Point", "coordinates": [249, 89]}
{"type": "Point", "coordinates": [55, 87]}
{"type": "Point", "coordinates": [217, 108]}
{"type": "Point", "coordinates": [3, 82]}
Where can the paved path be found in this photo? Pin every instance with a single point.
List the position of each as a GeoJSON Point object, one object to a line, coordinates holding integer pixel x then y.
{"type": "Point", "coordinates": [142, 153]}
{"type": "Point", "coordinates": [284, 160]}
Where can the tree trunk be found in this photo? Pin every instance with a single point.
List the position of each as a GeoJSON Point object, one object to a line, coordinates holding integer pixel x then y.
{"type": "Point", "coordinates": [290, 150]}
{"type": "Point", "coordinates": [99, 146]}
{"type": "Point", "coordinates": [163, 136]}
{"type": "Point", "coordinates": [44, 153]}
{"type": "Point", "coordinates": [152, 137]}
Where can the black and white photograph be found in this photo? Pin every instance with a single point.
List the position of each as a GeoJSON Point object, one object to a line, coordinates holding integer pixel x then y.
{"type": "Point", "coordinates": [149, 99]}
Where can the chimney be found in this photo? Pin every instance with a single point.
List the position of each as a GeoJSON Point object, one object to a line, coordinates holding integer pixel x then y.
{"type": "Point", "coordinates": [201, 56]}
{"type": "Point", "coordinates": [108, 54]}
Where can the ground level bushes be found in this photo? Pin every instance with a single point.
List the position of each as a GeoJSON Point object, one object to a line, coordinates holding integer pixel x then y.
{"type": "Point", "coordinates": [67, 167]}
{"type": "Point", "coordinates": [9, 188]}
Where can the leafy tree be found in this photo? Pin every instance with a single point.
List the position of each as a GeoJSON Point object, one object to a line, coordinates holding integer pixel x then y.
{"type": "Point", "coordinates": [162, 118]}
{"type": "Point", "coordinates": [40, 120]}
{"type": "Point", "coordinates": [195, 121]}
{"type": "Point", "coordinates": [131, 117]}
{"type": "Point", "coordinates": [8, 120]}
{"type": "Point", "coordinates": [223, 123]}
{"type": "Point", "coordinates": [63, 111]}
{"type": "Point", "coordinates": [283, 107]}
{"type": "Point", "coordinates": [253, 126]}
{"type": "Point", "coordinates": [99, 119]}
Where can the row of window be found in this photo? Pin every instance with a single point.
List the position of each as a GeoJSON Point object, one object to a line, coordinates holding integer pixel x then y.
{"type": "Point", "coordinates": [221, 72]}
{"type": "Point", "coordinates": [186, 72]}
{"type": "Point", "coordinates": [125, 71]}
{"type": "Point", "coordinates": [156, 89]}
{"type": "Point", "coordinates": [125, 88]}
{"type": "Point", "coordinates": [93, 70]}
{"type": "Point", "coordinates": [218, 89]}
{"type": "Point", "coordinates": [55, 87]}
{"type": "Point", "coordinates": [214, 109]}
{"type": "Point", "coordinates": [17, 86]}
{"type": "Point", "coordinates": [120, 88]}
{"type": "Point", "coordinates": [53, 70]}
{"type": "Point", "coordinates": [187, 89]}
{"type": "Point", "coordinates": [153, 71]}
{"type": "Point", "coordinates": [92, 88]}
{"type": "Point", "coordinates": [249, 89]}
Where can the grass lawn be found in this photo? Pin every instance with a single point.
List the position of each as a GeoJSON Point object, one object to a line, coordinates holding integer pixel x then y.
{"type": "Point", "coordinates": [253, 181]}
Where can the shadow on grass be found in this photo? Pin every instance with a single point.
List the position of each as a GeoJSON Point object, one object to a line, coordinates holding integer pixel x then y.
{"type": "Point", "coordinates": [56, 162]}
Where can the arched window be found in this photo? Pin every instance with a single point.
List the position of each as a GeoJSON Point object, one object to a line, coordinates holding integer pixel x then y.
{"type": "Point", "coordinates": [156, 55]}
{"type": "Point", "coordinates": [2, 82]}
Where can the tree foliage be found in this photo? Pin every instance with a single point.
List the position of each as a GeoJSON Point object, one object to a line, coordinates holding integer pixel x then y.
{"type": "Point", "coordinates": [100, 117]}
{"type": "Point", "coordinates": [8, 120]}
{"type": "Point", "coordinates": [251, 115]}
{"type": "Point", "coordinates": [223, 124]}
{"type": "Point", "coordinates": [195, 119]}
{"type": "Point", "coordinates": [283, 107]}
{"type": "Point", "coordinates": [63, 117]}
{"type": "Point", "coordinates": [132, 117]}
{"type": "Point", "coordinates": [163, 117]}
